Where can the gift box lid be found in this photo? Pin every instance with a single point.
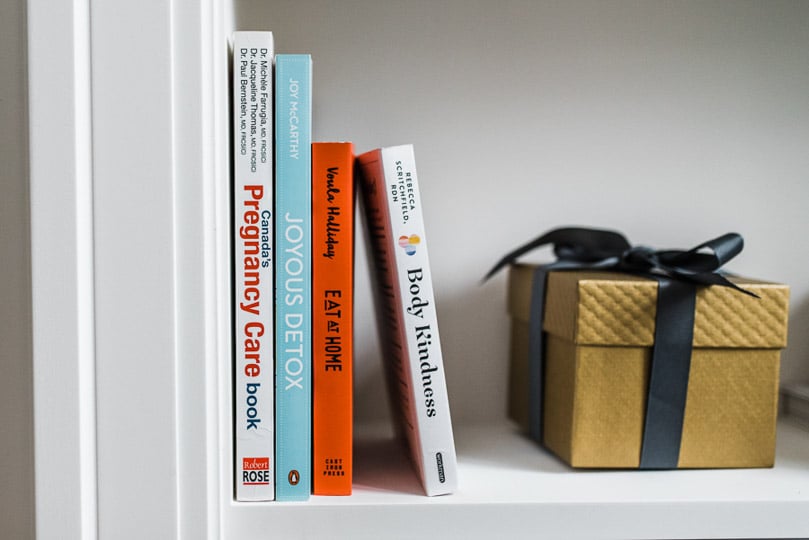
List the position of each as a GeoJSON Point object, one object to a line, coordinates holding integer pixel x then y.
{"type": "Point", "coordinates": [611, 308]}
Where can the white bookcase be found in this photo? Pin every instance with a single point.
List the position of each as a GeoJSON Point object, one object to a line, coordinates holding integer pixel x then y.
{"type": "Point", "coordinates": [525, 115]}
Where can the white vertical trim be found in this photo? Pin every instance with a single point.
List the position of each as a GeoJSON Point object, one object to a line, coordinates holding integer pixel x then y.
{"type": "Point", "coordinates": [195, 259]}
{"type": "Point", "coordinates": [222, 417]}
{"type": "Point", "coordinates": [202, 264]}
{"type": "Point", "coordinates": [135, 295]}
{"type": "Point", "coordinates": [62, 268]}
{"type": "Point", "coordinates": [86, 275]}
{"type": "Point", "coordinates": [217, 277]}
{"type": "Point", "coordinates": [150, 262]}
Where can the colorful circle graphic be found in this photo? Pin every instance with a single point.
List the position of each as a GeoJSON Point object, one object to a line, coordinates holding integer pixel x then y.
{"type": "Point", "coordinates": [409, 243]}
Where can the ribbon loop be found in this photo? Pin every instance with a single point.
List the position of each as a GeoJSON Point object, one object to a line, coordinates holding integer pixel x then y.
{"type": "Point", "coordinates": [724, 248]}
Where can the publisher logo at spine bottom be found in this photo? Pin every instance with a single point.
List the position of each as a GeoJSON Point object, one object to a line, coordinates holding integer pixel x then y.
{"type": "Point", "coordinates": [409, 243]}
{"type": "Point", "coordinates": [256, 471]}
{"type": "Point", "coordinates": [439, 461]}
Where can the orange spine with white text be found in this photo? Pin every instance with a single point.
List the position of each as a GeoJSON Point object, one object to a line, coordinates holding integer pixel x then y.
{"type": "Point", "coordinates": [332, 316]}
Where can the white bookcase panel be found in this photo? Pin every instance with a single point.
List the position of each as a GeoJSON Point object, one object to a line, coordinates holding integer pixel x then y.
{"type": "Point", "coordinates": [524, 115]}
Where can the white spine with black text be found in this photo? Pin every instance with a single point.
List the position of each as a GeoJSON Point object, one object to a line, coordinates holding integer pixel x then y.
{"type": "Point", "coordinates": [253, 291]}
{"type": "Point", "coordinates": [407, 314]}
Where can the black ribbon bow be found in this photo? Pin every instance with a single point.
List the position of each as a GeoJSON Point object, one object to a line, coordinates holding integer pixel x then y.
{"type": "Point", "coordinates": [678, 274]}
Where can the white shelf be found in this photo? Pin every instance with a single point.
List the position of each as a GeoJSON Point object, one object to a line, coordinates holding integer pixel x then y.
{"type": "Point", "coordinates": [509, 488]}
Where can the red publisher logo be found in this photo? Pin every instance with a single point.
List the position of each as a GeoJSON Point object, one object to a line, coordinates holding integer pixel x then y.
{"type": "Point", "coordinates": [256, 471]}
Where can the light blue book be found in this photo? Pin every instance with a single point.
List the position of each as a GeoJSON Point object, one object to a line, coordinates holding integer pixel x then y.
{"type": "Point", "coordinates": [293, 279]}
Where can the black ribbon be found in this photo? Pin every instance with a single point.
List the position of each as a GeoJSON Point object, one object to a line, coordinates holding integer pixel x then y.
{"type": "Point", "coordinates": [678, 274]}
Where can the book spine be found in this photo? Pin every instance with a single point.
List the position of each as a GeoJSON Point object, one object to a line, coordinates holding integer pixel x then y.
{"type": "Point", "coordinates": [388, 304]}
{"type": "Point", "coordinates": [293, 375]}
{"type": "Point", "coordinates": [332, 316]}
{"type": "Point", "coordinates": [407, 303]}
{"type": "Point", "coordinates": [253, 266]}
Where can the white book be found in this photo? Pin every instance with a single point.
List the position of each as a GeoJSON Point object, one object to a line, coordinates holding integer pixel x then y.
{"type": "Point", "coordinates": [253, 291]}
{"type": "Point", "coordinates": [407, 314]}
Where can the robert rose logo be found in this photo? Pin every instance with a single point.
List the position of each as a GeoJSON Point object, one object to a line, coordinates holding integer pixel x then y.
{"type": "Point", "coordinates": [256, 471]}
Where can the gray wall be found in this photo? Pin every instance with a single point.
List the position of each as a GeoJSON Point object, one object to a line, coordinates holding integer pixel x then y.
{"type": "Point", "coordinates": [674, 122]}
{"type": "Point", "coordinates": [16, 392]}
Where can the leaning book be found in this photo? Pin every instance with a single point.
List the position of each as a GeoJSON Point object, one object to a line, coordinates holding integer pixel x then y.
{"type": "Point", "coordinates": [407, 314]}
{"type": "Point", "coordinates": [253, 266]}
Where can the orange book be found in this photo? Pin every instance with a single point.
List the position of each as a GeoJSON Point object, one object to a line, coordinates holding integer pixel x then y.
{"type": "Point", "coordinates": [332, 316]}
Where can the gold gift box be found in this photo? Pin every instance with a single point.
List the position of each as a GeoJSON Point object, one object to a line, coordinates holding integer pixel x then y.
{"type": "Point", "coordinates": [599, 330]}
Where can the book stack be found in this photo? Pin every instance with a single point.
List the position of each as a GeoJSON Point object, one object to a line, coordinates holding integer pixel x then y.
{"type": "Point", "coordinates": [293, 276]}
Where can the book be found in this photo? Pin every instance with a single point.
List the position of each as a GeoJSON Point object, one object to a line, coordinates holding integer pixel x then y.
{"type": "Point", "coordinates": [293, 300]}
{"type": "Point", "coordinates": [253, 266]}
{"type": "Point", "coordinates": [406, 311]}
{"type": "Point", "coordinates": [332, 316]}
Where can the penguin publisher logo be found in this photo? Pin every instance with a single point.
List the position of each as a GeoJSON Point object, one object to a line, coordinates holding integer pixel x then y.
{"type": "Point", "coordinates": [294, 477]}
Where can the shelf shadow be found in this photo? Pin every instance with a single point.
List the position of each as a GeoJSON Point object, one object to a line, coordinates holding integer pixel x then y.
{"type": "Point", "coordinates": [788, 451]}
{"type": "Point", "coordinates": [794, 364]}
{"type": "Point", "coordinates": [381, 464]}
{"type": "Point", "coordinates": [514, 450]}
